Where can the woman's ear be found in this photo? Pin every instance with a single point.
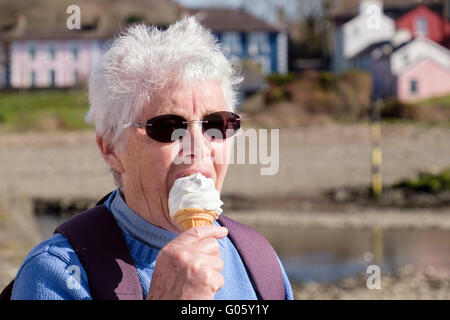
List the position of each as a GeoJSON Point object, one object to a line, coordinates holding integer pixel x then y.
{"type": "Point", "coordinates": [109, 154]}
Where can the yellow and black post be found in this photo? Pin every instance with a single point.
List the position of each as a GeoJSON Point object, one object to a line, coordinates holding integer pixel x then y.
{"type": "Point", "coordinates": [375, 135]}
{"type": "Point", "coordinates": [377, 186]}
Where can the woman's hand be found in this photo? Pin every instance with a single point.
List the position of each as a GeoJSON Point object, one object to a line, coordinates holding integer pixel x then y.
{"type": "Point", "coordinates": [189, 267]}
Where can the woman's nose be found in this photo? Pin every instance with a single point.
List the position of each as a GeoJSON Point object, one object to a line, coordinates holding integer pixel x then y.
{"type": "Point", "coordinates": [200, 147]}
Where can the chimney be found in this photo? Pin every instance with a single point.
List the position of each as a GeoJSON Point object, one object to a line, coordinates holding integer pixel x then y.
{"type": "Point", "coordinates": [281, 15]}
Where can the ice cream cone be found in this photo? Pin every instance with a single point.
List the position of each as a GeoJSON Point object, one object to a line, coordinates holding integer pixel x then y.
{"type": "Point", "coordinates": [194, 217]}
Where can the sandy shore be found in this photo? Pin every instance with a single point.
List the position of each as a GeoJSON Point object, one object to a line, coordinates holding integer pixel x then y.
{"type": "Point", "coordinates": [407, 284]}
{"type": "Point", "coordinates": [311, 160]}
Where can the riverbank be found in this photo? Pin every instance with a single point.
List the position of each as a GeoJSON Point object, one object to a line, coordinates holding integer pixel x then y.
{"type": "Point", "coordinates": [407, 284]}
{"type": "Point", "coordinates": [312, 160]}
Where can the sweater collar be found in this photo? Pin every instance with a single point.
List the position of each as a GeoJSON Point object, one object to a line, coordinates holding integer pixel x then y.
{"type": "Point", "coordinates": [136, 226]}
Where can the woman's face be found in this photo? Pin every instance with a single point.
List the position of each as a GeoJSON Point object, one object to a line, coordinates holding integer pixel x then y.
{"type": "Point", "coordinates": [149, 167]}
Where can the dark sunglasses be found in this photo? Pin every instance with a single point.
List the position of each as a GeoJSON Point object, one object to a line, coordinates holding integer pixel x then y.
{"type": "Point", "coordinates": [165, 128]}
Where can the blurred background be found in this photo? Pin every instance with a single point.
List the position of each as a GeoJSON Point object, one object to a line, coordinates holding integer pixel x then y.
{"type": "Point", "coordinates": [360, 91]}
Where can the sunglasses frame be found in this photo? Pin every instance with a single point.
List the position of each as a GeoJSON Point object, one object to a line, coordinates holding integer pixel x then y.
{"type": "Point", "coordinates": [186, 122]}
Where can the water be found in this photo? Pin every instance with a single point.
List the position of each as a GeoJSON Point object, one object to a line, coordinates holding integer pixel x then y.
{"type": "Point", "coordinates": [327, 255]}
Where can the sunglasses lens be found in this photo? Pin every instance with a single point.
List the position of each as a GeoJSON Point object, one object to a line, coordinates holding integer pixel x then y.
{"type": "Point", "coordinates": [166, 128]}
{"type": "Point", "coordinates": [222, 124]}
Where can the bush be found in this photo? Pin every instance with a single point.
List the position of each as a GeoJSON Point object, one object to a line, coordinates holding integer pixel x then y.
{"type": "Point", "coordinates": [276, 94]}
{"type": "Point", "coordinates": [280, 79]}
{"type": "Point", "coordinates": [428, 113]}
{"type": "Point", "coordinates": [344, 96]}
{"type": "Point", "coordinates": [327, 80]}
{"type": "Point", "coordinates": [393, 108]}
{"type": "Point", "coordinates": [427, 182]}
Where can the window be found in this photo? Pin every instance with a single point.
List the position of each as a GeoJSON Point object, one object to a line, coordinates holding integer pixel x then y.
{"type": "Point", "coordinates": [33, 78]}
{"type": "Point", "coordinates": [75, 52]}
{"type": "Point", "coordinates": [76, 76]}
{"type": "Point", "coordinates": [32, 52]}
{"type": "Point", "coordinates": [413, 86]}
{"type": "Point", "coordinates": [421, 26]}
{"type": "Point", "coordinates": [52, 78]}
{"type": "Point", "coordinates": [232, 44]}
{"type": "Point", "coordinates": [52, 52]}
{"type": "Point", "coordinates": [258, 43]}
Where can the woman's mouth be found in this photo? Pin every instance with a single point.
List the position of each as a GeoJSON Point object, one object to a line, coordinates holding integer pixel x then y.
{"type": "Point", "coordinates": [188, 173]}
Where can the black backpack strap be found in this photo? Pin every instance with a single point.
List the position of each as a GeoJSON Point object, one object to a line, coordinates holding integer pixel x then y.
{"type": "Point", "coordinates": [259, 259]}
{"type": "Point", "coordinates": [103, 252]}
{"type": "Point", "coordinates": [7, 292]}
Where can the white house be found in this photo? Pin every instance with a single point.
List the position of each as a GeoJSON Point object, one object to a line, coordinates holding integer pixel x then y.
{"type": "Point", "coordinates": [370, 26]}
{"type": "Point", "coordinates": [416, 50]}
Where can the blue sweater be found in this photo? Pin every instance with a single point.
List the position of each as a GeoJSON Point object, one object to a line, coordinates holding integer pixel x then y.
{"type": "Point", "coordinates": [53, 271]}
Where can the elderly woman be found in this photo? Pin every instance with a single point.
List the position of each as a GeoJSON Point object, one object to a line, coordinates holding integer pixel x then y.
{"type": "Point", "coordinates": [148, 86]}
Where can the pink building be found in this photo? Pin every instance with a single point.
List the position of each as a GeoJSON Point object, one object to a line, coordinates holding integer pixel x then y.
{"type": "Point", "coordinates": [53, 63]}
{"type": "Point", "coordinates": [424, 79]}
{"type": "Point", "coordinates": [38, 49]}
{"type": "Point", "coordinates": [421, 69]}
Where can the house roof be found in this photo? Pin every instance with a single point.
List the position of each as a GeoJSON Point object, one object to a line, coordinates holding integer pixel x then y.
{"type": "Point", "coordinates": [379, 46]}
{"type": "Point", "coordinates": [382, 49]}
{"type": "Point", "coordinates": [342, 11]}
{"type": "Point", "coordinates": [416, 62]}
{"type": "Point", "coordinates": [431, 57]}
{"type": "Point", "coordinates": [221, 19]}
{"type": "Point", "coordinates": [438, 14]}
{"type": "Point", "coordinates": [46, 19]}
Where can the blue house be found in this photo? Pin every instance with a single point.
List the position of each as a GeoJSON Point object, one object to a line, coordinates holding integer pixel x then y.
{"type": "Point", "coordinates": [246, 37]}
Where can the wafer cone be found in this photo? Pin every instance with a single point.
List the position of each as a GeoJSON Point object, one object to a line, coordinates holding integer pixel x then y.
{"type": "Point", "coordinates": [194, 217]}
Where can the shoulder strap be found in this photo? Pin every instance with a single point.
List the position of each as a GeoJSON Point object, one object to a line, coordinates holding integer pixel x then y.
{"type": "Point", "coordinates": [7, 291]}
{"type": "Point", "coordinates": [259, 259]}
{"type": "Point", "coordinates": [103, 252]}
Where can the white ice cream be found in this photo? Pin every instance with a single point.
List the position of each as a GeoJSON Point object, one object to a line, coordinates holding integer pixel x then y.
{"type": "Point", "coordinates": [194, 191]}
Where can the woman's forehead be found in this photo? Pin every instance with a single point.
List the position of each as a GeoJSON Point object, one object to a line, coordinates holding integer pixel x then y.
{"type": "Point", "coordinates": [187, 101]}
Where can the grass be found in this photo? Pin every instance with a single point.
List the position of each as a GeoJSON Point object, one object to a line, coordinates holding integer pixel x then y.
{"type": "Point", "coordinates": [43, 110]}
{"type": "Point", "coordinates": [440, 101]}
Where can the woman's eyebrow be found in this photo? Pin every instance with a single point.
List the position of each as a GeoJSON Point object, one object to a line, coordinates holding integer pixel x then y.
{"type": "Point", "coordinates": [180, 111]}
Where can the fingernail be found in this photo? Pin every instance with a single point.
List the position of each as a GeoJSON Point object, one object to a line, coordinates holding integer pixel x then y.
{"type": "Point", "coordinates": [223, 230]}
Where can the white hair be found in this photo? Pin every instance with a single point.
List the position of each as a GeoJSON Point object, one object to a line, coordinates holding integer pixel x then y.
{"type": "Point", "coordinates": [143, 61]}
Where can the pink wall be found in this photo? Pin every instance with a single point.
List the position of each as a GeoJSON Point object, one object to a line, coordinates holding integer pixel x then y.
{"type": "Point", "coordinates": [432, 80]}
{"type": "Point", "coordinates": [64, 62]}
